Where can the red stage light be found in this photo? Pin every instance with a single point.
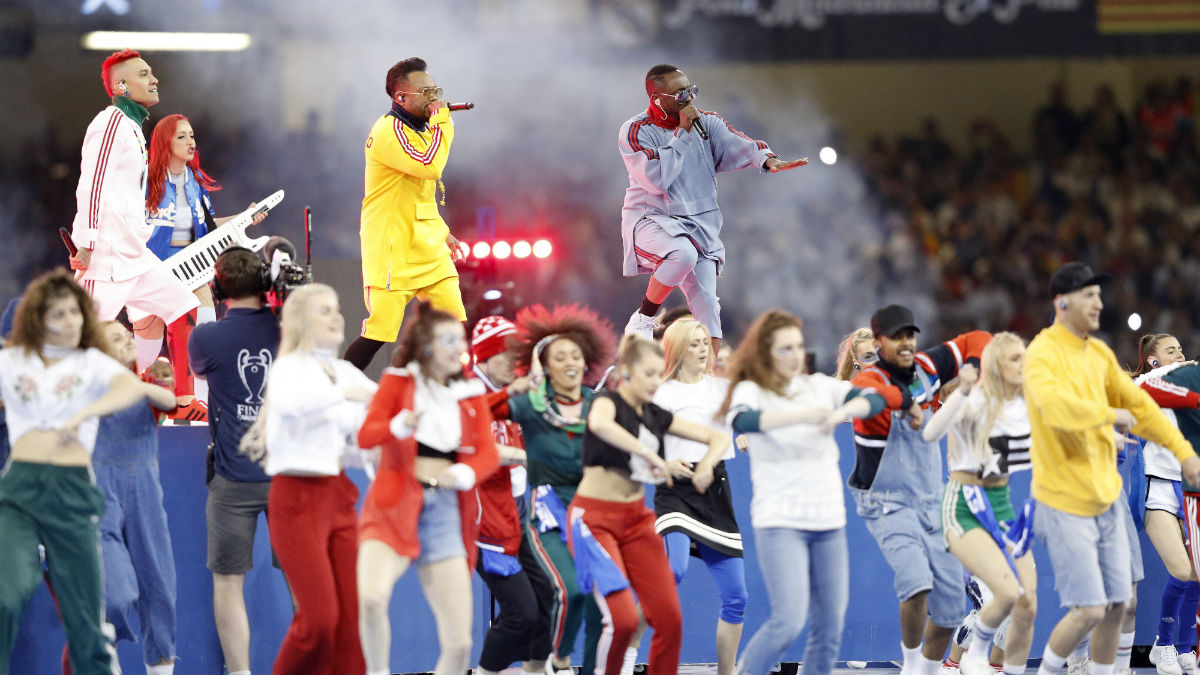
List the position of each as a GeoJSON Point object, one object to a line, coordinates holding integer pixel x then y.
{"type": "Point", "coordinates": [542, 248]}
{"type": "Point", "coordinates": [501, 250]}
{"type": "Point", "coordinates": [481, 249]}
{"type": "Point", "coordinates": [522, 249]}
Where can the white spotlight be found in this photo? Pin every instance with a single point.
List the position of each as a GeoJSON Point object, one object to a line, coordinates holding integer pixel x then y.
{"type": "Point", "coordinates": [828, 155]}
{"type": "Point", "coordinates": [157, 42]}
{"type": "Point", "coordinates": [1135, 321]}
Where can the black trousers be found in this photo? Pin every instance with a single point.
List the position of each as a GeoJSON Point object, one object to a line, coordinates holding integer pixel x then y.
{"type": "Point", "coordinates": [507, 639]}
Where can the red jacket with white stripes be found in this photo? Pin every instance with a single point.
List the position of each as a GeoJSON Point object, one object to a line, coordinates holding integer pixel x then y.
{"type": "Point", "coordinates": [900, 388]}
{"type": "Point", "coordinates": [111, 198]}
{"type": "Point", "coordinates": [1168, 395]}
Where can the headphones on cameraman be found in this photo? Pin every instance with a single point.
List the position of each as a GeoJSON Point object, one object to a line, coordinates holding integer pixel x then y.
{"type": "Point", "coordinates": [264, 274]}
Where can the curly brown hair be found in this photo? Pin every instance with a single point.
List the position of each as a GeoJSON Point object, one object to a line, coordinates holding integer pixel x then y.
{"type": "Point", "coordinates": [29, 328]}
{"type": "Point", "coordinates": [418, 337]}
{"type": "Point", "coordinates": [580, 325]}
{"type": "Point", "coordinates": [752, 358]}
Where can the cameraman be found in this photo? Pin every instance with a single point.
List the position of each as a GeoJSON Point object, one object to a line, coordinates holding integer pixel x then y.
{"type": "Point", "coordinates": [234, 354]}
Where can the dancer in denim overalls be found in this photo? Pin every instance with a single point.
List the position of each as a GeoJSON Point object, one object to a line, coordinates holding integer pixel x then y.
{"type": "Point", "coordinates": [897, 481]}
{"type": "Point", "coordinates": [135, 544]}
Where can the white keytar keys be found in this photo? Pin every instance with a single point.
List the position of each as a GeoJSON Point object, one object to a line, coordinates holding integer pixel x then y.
{"type": "Point", "coordinates": [194, 265]}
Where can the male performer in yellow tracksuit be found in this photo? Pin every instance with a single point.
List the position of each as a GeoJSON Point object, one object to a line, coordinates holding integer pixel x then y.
{"type": "Point", "coordinates": [407, 249]}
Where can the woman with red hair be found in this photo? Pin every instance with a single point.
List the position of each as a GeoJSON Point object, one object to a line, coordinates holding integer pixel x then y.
{"type": "Point", "coordinates": [180, 212]}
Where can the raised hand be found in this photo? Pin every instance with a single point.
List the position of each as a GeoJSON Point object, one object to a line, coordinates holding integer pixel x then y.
{"type": "Point", "coordinates": [775, 165]}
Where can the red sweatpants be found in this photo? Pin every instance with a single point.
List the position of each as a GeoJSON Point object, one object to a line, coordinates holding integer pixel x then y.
{"type": "Point", "coordinates": [626, 531]}
{"type": "Point", "coordinates": [178, 333]}
{"type": "Point", "coordinates": [315, 536]}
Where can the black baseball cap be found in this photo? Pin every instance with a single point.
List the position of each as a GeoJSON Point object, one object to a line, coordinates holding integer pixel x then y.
{"type": "Point", "coordinates": [1072, 277]}
{"type": "Point", "coordinates": [892, 319]}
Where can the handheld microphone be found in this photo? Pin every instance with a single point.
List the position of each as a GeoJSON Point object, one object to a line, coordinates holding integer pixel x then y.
{"type": "Point", "coordinates": [700, 128]}
{"type": "Point", "coordinates": [465, 105]}
{"type": "Point", "coordinates": [67, 241]}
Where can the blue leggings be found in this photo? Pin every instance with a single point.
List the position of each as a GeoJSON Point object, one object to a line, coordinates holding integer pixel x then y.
{"type": "Point", "coordinates": [728, 572]}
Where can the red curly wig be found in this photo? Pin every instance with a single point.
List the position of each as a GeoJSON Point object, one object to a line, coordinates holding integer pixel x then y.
{"type": "Point", "coordinates": [160, 159]}
{"type": "Point", "coordinates": [580, 325]}
{"type": "Point", "coordinates": [112, 60]}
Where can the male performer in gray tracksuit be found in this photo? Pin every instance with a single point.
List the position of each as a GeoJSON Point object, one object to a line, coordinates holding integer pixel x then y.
{"type": "Point", "coordinates": [671, 224]}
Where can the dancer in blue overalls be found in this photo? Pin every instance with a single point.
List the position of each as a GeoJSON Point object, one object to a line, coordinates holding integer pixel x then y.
{"type": "Point", "coordinates": [135, 545]}
{"type": "Point", "coordinates": [897, 481]}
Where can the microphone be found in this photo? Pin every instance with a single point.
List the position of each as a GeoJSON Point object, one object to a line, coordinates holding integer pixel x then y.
{"type": "Point", "coordinates": [699, 126]}
{"type": "Point", "coordinates": [67, 241]}
{"type": "Point", "coordinates": [465, 105]}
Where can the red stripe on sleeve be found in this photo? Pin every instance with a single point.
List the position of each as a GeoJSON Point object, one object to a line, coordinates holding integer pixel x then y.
{"type": "Point", "coordinates": [633, 139]}
{"type": "Point", "coordinates": [106, 144]}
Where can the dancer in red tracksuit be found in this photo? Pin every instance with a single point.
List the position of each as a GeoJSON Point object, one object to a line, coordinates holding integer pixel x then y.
{"type": "Point", "coordinates": [612, 531]}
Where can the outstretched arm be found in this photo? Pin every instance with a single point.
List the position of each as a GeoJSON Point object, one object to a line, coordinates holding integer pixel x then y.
{"type": "Point", "coordinates": [124, 390]}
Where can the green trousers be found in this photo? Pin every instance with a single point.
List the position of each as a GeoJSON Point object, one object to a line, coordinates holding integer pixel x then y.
{"type": "Point", "coordinates": [578, 605]}
{"type": "Point", "coordinates": [58, 507]}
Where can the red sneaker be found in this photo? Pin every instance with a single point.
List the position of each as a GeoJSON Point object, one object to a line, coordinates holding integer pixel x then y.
{"type": "Point", "coordinates": [195, 412]}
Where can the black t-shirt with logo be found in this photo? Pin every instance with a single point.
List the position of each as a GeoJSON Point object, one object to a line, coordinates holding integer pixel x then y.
{"type": "Point", "coordinates": [649, 428]}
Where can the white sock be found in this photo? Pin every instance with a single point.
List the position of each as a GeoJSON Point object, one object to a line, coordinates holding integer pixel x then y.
{"type": "Point", "coordinates": [373, 672]}
{"type": "Point", "coordinates": [1014, 669]}
{"type": "Point", "coordinates": [240, 672]}
{"type": "Point", "coordinates": [164, 669]}
{"type": "Point", "coordinates": [1052, 664]}
{"type": "Point", "coordinates": [147, 351]}
{"type": "Point", "coordinates": [1124, 651]}
{"type": "Point", "coordinates": [1100, 668]}
{"type": "Point", "coordinates": [912, 660]}
{"type": "Point", "coordinates": [981, 642]}
{"type": "Point", "coordinates": [930, 666]}
{"type": "Point", "coordinates": [1081, 650]}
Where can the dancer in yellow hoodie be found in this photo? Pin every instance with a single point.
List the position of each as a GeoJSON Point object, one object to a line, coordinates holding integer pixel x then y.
{"type": "Point", "coordinates": [1076, 393]}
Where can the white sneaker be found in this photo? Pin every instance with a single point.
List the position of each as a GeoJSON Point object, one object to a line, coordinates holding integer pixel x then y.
{"type": "Point", "coordinates": [640, 324]}
{"type": "Point", "coordinates": [947, 669]}
{"type": "Point", "coordinates": [1165, 659]}
{"type": "Point", "coordinates": [551, 670]}
{"type": "Point", "coordinates": [970, 666]}
{"type": "Point", "coordinates": [630, 661]}
{"type": "Point", "coordinates": [1078, 666]}
{"type": "Point", "coordinates": [1187, 662]}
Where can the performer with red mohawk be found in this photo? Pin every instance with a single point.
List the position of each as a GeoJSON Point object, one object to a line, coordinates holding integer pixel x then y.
{"type": "Point", "coordinates": [115, 266]}
{"type": "Point", "coordinates": [565, 349]}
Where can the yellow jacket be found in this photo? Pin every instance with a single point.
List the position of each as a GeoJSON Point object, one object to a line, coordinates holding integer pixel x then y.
{"type": "Point", "coordinates": [403, 235]}
{"type": "Point", "coordinates": [1072, 386]}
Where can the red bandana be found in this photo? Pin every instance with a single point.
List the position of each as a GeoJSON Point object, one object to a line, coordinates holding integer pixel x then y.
{"type": "Point", "coordinates": [660, 118]}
